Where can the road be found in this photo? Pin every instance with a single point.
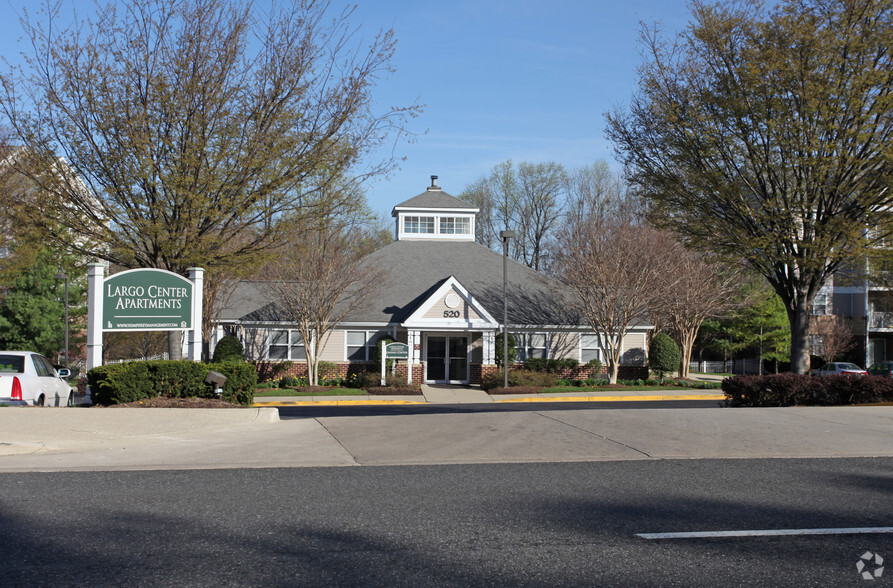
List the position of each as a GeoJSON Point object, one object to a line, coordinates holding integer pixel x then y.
{"type": "Point", "coordinates": [522, 524]}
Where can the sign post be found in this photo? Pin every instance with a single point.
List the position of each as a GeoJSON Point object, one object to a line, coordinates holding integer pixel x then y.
{"type": "Point", "coordinates": [143, 300]}
{"type": "Point", "coordinates": [392, 351]}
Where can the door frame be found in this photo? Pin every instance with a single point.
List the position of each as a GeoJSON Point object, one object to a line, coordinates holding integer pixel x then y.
{"type": "Point", "coordinates": [451, 379]}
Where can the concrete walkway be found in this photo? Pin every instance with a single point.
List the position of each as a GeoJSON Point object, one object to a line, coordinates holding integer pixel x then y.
{"type": "Point", "coordinates": [73, 439]}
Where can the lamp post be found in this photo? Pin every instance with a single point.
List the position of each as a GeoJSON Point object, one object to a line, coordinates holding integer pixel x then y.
{"type": "Point", "coordinates": [64, 276]}
{"type": "Point", "coordinates": [505, 235]}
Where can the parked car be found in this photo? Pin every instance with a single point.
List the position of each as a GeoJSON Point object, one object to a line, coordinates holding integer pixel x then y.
{"type": "Point", "coordinates": [882, 368]}
{"type": "Point", "coordinates": [29, 379]}
{"type": "Point", "coordinates": [840, 368]}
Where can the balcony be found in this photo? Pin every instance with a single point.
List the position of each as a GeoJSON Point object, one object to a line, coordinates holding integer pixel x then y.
{"type": "Point", "coordinates": [880, 321]}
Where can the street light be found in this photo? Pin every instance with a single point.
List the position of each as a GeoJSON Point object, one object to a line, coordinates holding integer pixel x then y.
{"type": "Point", "coordinates": [505, 235]}
{"type": "Point", "coordinates": [64, 276]}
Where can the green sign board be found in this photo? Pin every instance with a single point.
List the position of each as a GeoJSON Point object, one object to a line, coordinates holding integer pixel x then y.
{"type": "Point", "coordinates": [397, 351]}
{"type": "Point", "coordinates": [146, 300]}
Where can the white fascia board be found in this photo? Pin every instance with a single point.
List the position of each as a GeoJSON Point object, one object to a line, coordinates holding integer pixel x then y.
{"type": "Point", "coordinates": [421, 210]}
{"type": "Point", "coordinates": [448, 325]}
{"type": "Point", "coordinates": [450, 284]}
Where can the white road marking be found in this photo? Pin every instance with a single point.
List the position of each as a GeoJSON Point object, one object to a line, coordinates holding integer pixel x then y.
{"type": "Point", "coordinates": [765, 533]}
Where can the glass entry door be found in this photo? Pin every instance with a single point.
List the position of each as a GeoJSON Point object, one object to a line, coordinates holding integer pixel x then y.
{"type": "Point", "coordinates": [447, 358]}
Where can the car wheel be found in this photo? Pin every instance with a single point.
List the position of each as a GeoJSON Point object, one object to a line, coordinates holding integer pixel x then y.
{"type": "Point", "coordinates": [40, 401]}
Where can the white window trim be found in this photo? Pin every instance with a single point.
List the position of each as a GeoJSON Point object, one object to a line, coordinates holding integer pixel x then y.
{"type": "Point", "coordinates": [370, 349]}
{"type": "Point", "coordinates": [288, 345]}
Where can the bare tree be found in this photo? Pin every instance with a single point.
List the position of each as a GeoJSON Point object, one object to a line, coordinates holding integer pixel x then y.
{"type": "Point", "coordinates": [615, 271]}
{"type": "Point", "coordinates": [317, 279]}
{"type": "Point", "coordinates": [699, 288]}
{"type": "Point", "coordinates": [192, 124]}
{"type": "Point", "coordinates": [836, 335]}
{"type": "Point", "coordinates": [542, 188]}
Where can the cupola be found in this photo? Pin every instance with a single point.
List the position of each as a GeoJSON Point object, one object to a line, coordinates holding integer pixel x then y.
{"type": "Point", "coordinates": [435, 215]}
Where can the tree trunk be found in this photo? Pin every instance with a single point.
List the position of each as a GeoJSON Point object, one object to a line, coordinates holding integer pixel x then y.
{"type": "Point", "coordinates": [686, 343]}
{"type": "Point", "coordinates": [613, 364]}
{"type": "Point", "coordinates": [175, 345]}
{"type": "Point", "coordinates": [799, 317]}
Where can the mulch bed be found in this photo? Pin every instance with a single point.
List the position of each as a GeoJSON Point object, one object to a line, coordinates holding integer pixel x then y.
{"type": "Point", "coordinates": [516, 390]}
{"type": "Point", "coordinates": [162, 402]}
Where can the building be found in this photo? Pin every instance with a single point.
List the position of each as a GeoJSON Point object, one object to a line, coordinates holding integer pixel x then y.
{"type": "Point", "coordinates": [443, 296]}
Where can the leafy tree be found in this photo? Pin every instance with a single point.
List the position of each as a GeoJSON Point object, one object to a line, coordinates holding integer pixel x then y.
{"type": "Point", "coordinates": [192, 128]}
{"type": "Point", "coordinates": [32, 306]}
{"type": "Point", "coordinates": [663, 354]}
{"type": "Point", "coordinates": [764, 132]}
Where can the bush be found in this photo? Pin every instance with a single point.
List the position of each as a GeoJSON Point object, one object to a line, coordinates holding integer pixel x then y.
{"type": "Point", "coordinates": [241, 380]}
{"type": "Point", "coordinates": [551, 366]}
{"type": "Point", "coordinates": [595, 364]}
{"type": "Point", "coordinates": [229, 347]}
{"type": "Point", "coordinates": [376, 366]}
{"type": "Point", "coordinates": [663, 355]}
{"type": "Point", "coordinates": [519, 378]}
{"type": "Point", "coordinates": [512, 349]}
{"type": "Point", "coordinates": [804, 390]}
{"type": "Point", "coordinates": [132, 381]}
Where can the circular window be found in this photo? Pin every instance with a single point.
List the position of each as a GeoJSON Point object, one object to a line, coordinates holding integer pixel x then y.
{"type": "Point", "coordinates": [452, 300]}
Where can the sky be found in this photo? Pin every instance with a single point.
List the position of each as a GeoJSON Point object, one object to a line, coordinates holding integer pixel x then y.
{"type": "Point", "coordinates": [524, 80]}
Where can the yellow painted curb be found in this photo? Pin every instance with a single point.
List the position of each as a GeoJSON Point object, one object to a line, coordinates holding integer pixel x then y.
{"type": "Point", "coordinates": [337, 403]}
{"type": "Point", "coordinates": [613, 398]}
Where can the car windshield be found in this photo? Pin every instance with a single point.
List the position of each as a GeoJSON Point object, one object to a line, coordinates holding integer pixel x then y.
{"type": "Point", "coordinates": [14, 364]}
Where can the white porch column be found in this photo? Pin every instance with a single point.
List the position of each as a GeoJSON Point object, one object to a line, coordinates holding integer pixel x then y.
{"type": "Point", "coordinates": [412, 339]}
{"type": "Point", "coordinates": [95, 277]}
{"type": "Point", "coordinates": [489, 347]}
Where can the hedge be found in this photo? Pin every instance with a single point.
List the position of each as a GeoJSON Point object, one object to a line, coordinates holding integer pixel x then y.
{"type": "Point", "coordinates": [120, 383]}
{"type": "Point", "coordinates": [804, 390]}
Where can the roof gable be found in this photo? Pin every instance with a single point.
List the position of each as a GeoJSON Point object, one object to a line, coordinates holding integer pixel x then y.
{"type": "Point", "coordinates": [450, 306]}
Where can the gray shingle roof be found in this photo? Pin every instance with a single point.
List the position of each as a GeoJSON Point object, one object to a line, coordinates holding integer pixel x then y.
{"type": "Point", "coordinates": [417, 268]}
{"type": "Point", "coordinates": [435, 199]}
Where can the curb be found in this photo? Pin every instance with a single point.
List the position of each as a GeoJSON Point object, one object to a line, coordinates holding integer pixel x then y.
{"type": "Point", "coordinates": [616, 398]}
{"type": "Point", "coordinates": [651, 398]}
{"type": "Point", "coordinates": [337, 403]}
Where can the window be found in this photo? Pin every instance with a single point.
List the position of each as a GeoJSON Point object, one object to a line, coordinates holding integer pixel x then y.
{"type": "Point", "coordinates": [361, 345]}
{"type": "Point", "coordinates": [820, 303]}
{"type": "Point", "coordinates": [455, 225]}
{"type": "Point", "coordinates": [286, 344]}
{"type": "Point", "coordinates": [531, 345]}
{"type": "Point", "coordinates": [590, 348]}
{"type": "Point", "coordinates": [418, 224]}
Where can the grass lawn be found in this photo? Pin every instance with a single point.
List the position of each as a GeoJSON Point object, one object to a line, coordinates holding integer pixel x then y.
{"type": "Point", "coordinates": [329, 391]}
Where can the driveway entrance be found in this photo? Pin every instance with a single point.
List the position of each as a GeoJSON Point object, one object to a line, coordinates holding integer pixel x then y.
{"type": "Point", "coordinates": [447, 359]}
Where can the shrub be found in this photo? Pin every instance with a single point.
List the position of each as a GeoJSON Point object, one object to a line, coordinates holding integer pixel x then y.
{"type": "Point", "coordinates": [329, 369]}
{"type": "Point", "coordinates": [132, 381]}
{"type": "Point", "coordinates": [519, 378]}
{"type": "Point", "coordinates": [804, 390]}
{"type": "Point", "coordinates": [512, 349]}
{"type": "Point", "coordinates": [663, 355]}
{"type": "Point", "coordinates": [229, 347]}
{"type": "Point", "coordinates": [595, 364]}
{"type": "Point", "coordinates": [543, 365]}
{"type": "Point", "coordinates": [376, 366]}
{"type": "Point", "coordinates": [241, 380]}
